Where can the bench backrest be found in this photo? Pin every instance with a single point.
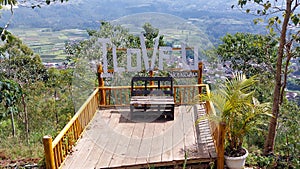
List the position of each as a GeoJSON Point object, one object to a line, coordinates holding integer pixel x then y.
{"type": "Point", "coordinates": [140, 86]}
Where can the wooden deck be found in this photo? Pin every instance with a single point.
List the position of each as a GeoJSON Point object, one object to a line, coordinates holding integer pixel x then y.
{"type": "Point", "coordinates": [112, 141]}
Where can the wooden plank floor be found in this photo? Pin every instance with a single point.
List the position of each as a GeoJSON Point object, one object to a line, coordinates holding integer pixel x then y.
{"type": "Point", "coordinates": [112, 141]}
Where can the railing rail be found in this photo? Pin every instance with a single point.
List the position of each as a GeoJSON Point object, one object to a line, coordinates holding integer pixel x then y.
{"type": "Point", "coordinates": [218, 134]}
{"type": "Point", "coordinates": [56, 151]}
{"type": "Point", "coordinates": [120, 95]}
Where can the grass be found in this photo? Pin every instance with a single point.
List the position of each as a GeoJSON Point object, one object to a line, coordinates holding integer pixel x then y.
{"type": "Point", "coordinates": [14, 149]}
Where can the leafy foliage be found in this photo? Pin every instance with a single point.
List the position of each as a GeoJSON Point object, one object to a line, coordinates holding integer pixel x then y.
{"type": "Point", "coordinates": [6, 35]}
{"type": "Point", "coordinates": [20, 63]}
{"type": "Point", "coordinates": [287, 140]}
{"type": "Point", "coordinates": [40, 96]}
{"type": "Point", "coordinates": [8, 2]}
{"type": "Point", "coordinates": [250, 53]}
{"type": "Point", "coordinates": [15, 47]}
{"type": "Point", "coordinates": [253, 54]}
{"type": "Point", "coordinates": [10, 94]}
{"type": "Point", "coordinates": [282, 18]}
{"type": "Point", "coordinates": [238, 109]}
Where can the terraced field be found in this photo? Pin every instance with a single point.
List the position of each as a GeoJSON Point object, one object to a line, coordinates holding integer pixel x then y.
{"type": "Point", "coordinates": [48, 43]}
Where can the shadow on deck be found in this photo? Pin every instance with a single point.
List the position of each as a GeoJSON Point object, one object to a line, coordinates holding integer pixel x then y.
{"type": "Point", "coordinates": [113, 141]}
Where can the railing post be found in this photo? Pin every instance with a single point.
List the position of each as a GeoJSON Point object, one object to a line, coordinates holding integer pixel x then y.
{"type": "Point", "coordinates": [151, 75]}
{"type": "Point", "coordinates": [101, 84]}
{"type": "Point", "coordinates": [220, 145]}
{"type": "Point", "coordinates": [49, 154]}
{"type": "Point", "coordinates": [200, 78]}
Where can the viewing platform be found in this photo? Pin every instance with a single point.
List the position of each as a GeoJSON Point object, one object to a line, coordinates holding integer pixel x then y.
{"type": "Point", "coordinates": [113, 141]}
{"type": "Point", "coordinates": [104, 134]}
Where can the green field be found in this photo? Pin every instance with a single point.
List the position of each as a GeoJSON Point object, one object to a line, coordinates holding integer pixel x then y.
{"type": "Point", "coordinates": [50, 44]}
{"type": "Point", "coordinates": [47, 43]}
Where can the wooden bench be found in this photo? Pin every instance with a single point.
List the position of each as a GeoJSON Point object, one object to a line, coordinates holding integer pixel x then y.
{"type": "Point", "coordinates": [152, 94]}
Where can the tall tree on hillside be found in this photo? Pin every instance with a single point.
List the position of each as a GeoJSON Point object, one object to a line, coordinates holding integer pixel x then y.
{"type": "Point", "coordinates": [22, 66]}
{"type": "Point", "coordinates": [150, 34]}
{"type": "Point", "coordinates": [283, 19]}
{"type": "Point", "coordinates": [253, 54]}
{"type": "Point", "coordinates": [10, 94]}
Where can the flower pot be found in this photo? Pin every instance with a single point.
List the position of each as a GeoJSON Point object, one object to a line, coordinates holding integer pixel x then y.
{"type": "Point", "coordinates": [236, 162]}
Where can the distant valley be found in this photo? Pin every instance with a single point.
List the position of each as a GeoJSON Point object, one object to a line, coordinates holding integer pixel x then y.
{"type": "Point", "coordinates": [214, 18]}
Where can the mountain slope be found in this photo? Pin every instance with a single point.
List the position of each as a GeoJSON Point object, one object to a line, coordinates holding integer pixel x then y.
{"type": "Point", "coordinates": [87, 13]}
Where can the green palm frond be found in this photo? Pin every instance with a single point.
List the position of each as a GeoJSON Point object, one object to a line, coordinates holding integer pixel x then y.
{"type": "Point", "coordinates": [235, 105]}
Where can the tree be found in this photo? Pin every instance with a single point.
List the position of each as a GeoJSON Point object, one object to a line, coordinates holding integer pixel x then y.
{"type": "Point", "coordinates": [6, 35]}
{"type": "Point", "coordinates": [250, 53]}
{"type": "Point", "coordinates": [59, 82]}
{"type": "Point", "coordinates": [253, 54]}
{"type": "Point", "coordinates": [90, 48]}
{"type": "Point", "coordinates": [150, 34]}
{"type": "Point", "coordinates": [23, 67]}
{"type": "Point", "coordinates": [10, 94]}
{"type": "Point", "coordinates": [32, 4]}
{"type": "Point", "coordinates": [283, 18]}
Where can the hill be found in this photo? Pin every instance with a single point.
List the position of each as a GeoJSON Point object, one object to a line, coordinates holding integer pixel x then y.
{"type": "Point", "coordinates": [69, 20]}
{"type": "Point", "coordinates": [217, 16]}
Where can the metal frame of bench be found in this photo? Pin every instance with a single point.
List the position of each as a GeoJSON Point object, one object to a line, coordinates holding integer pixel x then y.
{"type": "Point", "coordinates": [145, 96]}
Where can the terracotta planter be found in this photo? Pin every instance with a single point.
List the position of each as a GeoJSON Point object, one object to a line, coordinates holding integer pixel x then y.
{"type": "Point", "coordinates": [236, 162]}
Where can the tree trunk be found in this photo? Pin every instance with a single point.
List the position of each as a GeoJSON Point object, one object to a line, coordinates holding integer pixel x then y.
{"type": "Point", "coordinates": [286, 69]}
{"type": "Point", "coordinates": [13, 127]}
{"type": "Point", "coordinates": [26, 122]}
{"type": "Point", "coordinates": [270, 140]}
{"type": "Point", "coordinates": [55, 110]}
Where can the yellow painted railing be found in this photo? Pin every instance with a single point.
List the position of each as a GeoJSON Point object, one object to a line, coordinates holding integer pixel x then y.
{"type": "Point", "coordinates": [56, 151]}
{"type": "Point", "coordinates": [218, 134]}
{"type": "Point", "coordinates": [120, 95]}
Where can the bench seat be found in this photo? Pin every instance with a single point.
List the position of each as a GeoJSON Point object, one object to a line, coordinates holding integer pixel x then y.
{"type": "Point", "coordinates": [146, 99]}
{"type": "Point", "coordinates": [161, 100]}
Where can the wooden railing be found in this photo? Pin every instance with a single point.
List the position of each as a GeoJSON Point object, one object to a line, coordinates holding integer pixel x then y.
{"type": "Point", "coordinates": [56, 151]}
{"type": "Point", "coordinates": [218, 134]}
{"type": "Point", "coordinates": [120, 95]}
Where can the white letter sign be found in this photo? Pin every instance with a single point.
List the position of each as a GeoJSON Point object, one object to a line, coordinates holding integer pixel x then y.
{"type": "Point", "coordinates": [104, 53]}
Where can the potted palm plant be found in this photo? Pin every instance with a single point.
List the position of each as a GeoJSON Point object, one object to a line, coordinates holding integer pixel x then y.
{"type": "Point", "coordinates": [237, 108]}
